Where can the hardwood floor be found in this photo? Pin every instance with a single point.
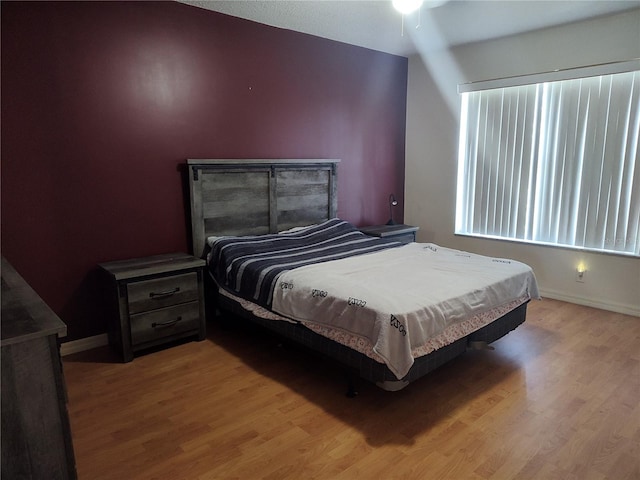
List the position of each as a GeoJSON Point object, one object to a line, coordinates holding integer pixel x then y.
{"type": "Point", "coordinates": [558, 398]}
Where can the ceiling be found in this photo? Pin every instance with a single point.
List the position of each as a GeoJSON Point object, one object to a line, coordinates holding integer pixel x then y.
{"type": "Point", "coordinates": [376, 25]}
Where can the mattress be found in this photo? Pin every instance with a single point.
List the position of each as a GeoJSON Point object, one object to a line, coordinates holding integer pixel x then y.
{"type": "Point", "coordinates": [390, 302]}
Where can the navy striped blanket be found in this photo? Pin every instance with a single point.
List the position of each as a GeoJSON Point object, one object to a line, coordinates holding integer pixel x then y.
{"type": "Point", "coordinates": [250, 266]}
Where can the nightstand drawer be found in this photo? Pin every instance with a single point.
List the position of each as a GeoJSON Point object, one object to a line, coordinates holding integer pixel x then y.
{"type": "Point", "coordinates": [404, 238]}
{"type": "Point", "coordinates": [162, 292]}
{"type": "Point", "coordinates": [165, 322]}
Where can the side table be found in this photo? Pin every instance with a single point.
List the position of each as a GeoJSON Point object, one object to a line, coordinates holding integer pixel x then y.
{"type": "Point", "coordinates": [156, 300]}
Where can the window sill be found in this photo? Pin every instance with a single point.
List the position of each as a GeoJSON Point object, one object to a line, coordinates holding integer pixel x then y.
{"type": "Point", "coordinates": [549, 245]}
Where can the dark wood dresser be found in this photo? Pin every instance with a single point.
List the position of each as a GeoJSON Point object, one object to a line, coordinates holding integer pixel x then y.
{"type": "Point", "coordinates": [36, 437]}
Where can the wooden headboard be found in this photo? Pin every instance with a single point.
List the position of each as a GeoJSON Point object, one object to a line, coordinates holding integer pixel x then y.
{"type": "Point", "coordinates": [254, 197]}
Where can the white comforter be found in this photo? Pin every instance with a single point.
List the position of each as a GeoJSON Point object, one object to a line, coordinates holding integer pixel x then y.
{"type": "Point", "coordinates": [400, 298]}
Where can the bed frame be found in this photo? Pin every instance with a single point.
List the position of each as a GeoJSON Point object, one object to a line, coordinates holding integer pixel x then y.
{"type": "Point", "coordinates": [252, 197]}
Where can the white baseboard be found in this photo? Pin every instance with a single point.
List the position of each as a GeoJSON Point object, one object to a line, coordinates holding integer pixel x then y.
{"type": "Point", "coordinates": [75, 346]}
{"type": "Point", "coordinates": [590, 302]}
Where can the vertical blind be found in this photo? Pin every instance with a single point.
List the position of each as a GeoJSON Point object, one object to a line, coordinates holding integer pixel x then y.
{"type": "Point", "coordinates": [553, 162]}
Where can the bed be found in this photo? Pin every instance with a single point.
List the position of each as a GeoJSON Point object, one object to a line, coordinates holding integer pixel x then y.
{"type": "Point", "coordinates": [388, 312]}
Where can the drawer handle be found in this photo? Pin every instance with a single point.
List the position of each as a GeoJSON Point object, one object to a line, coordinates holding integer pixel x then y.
{"type": "Point", "coordinates": [166, 293]}
{"type": "Point", "coordinates": [166, 324]}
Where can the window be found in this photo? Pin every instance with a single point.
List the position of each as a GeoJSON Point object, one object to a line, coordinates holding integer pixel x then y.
{"type": "Point", "coordinates": [553, 162]}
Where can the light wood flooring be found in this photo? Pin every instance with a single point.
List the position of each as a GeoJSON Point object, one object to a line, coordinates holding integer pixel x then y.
{"type": "Point", "coordinates": [558, 398]}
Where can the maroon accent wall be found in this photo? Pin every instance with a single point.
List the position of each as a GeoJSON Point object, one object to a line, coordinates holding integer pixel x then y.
{"type": "Point", "coordinates": [102, 102]}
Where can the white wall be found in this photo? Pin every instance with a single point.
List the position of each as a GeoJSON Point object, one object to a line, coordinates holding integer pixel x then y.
{"type": "Point", "coordinates": [612, 282]}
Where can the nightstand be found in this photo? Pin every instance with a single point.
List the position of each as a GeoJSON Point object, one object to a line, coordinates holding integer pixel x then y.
{"type": "Point", "coordinates": [399, 233]}
{"type": "Point", "coordinates": [155, 300]}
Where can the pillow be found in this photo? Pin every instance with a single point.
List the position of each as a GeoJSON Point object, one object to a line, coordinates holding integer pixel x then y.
{"type": "Point", "coordinates": [211, 240]}
{"type": "Point", "coordinates": [295, 229]}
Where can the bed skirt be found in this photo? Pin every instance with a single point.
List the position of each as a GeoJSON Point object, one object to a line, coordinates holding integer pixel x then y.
{"type": "Point", "coordinates": [364, 366]}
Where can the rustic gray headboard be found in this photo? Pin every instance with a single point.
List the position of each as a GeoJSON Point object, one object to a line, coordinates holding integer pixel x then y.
{"type": "Point", "coordinates": [258, 196]}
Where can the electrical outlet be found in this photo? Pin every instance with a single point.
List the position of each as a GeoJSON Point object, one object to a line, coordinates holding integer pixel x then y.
{"type": "Point", "coordinates": [581, 275]}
